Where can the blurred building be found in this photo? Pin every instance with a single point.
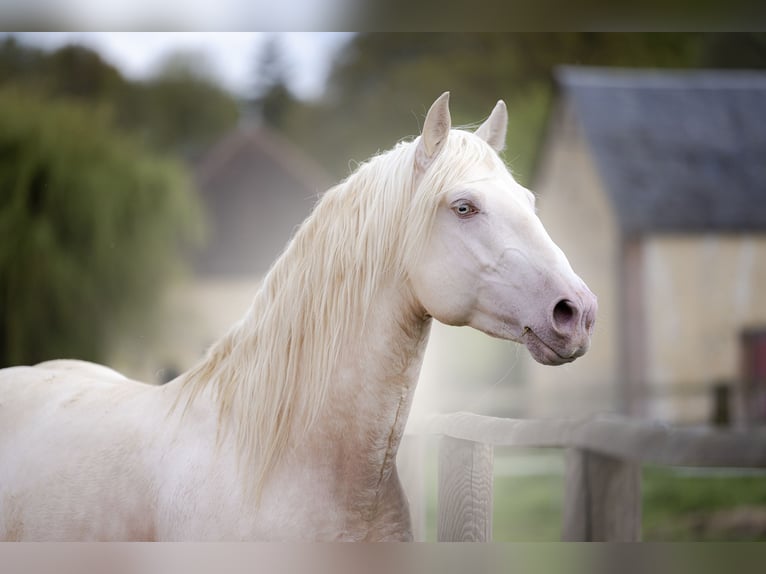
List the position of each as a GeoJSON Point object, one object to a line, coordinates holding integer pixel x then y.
{"type": "Point", "coordinates": [654, 184]}
{"type": "Point", "coordinates": [256, 188]}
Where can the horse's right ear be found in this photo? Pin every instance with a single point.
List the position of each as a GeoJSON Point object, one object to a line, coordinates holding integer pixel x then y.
{"type": "Point", "coordinates": [493, 129]}
{"type": "Point", "coordinates": [435, 131]}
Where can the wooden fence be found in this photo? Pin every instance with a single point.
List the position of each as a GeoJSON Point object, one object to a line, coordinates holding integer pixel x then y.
{"type": "Point", "coordinates": [603, 458]}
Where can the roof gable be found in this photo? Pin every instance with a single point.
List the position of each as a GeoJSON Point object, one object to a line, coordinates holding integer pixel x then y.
{"type": "Point", "coordinates": [256, 188]}
{"type": "Point", "coordinates": [678, 151]}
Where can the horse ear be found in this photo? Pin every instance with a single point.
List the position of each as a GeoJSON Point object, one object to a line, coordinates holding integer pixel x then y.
{"type": "Point", "coordinates": [493, 129]}
{"type": "Point", "coordinates": [435, 131]}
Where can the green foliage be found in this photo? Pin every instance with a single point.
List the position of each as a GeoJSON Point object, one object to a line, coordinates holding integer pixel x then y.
{"type": "Point", "coordinates": [528, 508]}
{"type": "Point", "coordinates": [272, 100]}
{"type": "Point", "coordinates": [274, 105]}
{"type": "Point", "coordinates": [91, 221]}
{"type": "Point", "coordinates": [380, 89]}
{"type": "Point", "coordinates": [77, 72]}
{"type": "Point", "coordinates": [179, 110]}
{"type": "Point", "coordinates": [713, 506]}
{"type": "Point", "coordinates": [90, 227]}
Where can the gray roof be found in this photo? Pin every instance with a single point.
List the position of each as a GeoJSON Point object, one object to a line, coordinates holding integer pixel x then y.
{"type": "Point", "coordinates": [256, 188]}
{"type": "Point", "coordinates": [678, 151]}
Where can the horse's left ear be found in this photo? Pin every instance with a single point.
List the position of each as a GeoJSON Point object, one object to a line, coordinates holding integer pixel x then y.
{"type": "Point", "coordinates": [493, 129]}
{"type": "Point", "coordinates": [435, 131]}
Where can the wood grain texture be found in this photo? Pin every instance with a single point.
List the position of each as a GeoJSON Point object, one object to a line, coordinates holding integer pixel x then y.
{"type": "Point", "coordinates": [615, 436]}
{"type": "Point", "coordinates": [603, 467]}
{"type": "Point", "coordinates": [602, 498]}
{"type": "Point", "coordinates": [465, 491]}
{"type": "Point", "coordinates": [410, 463]}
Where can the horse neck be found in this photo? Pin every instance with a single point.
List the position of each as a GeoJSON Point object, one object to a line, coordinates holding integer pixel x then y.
{"type": "Point", "coordinates": [373, 384]}
{"type": "Point", "coordinates": [352, 444]}
{"type": "Point", "coordinates": [326, 360]}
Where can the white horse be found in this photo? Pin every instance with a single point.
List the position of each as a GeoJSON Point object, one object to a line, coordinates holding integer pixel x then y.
{"type": "Point", "coordinates": [289, 428]}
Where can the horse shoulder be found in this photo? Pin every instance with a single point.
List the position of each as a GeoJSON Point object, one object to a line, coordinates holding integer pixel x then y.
{"type": "Point", "coordinates": [87, 443]}
{"type": "Point", "coordinates": [84, 368]}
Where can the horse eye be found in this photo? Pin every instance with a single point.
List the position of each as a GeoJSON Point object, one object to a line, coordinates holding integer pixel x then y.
{"type": "Point", "coordinates": [464, 209]}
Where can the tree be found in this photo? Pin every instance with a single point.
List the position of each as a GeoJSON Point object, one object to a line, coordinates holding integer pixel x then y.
{"type": "Point", "coordinates": [380, 89]}
{"type": "Point", "coordinates": [181, 109]}
{"type": "Point", "coordinates": [77, 72]}
{"type": "Point", "coordinates": [272, 99]}
{"type": "Point", "coordinates": [91, 226]}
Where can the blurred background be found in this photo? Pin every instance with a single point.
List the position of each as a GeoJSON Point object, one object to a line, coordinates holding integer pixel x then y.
{"type": "Point", "coordinates": [148, 180]}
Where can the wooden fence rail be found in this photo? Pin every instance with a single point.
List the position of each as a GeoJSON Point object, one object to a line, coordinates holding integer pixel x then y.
{"type": "Point", "coordinates": [603, 458]}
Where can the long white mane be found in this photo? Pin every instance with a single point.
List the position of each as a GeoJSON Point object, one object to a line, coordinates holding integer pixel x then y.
{"type": "Point", "coordinates": [271, 373]}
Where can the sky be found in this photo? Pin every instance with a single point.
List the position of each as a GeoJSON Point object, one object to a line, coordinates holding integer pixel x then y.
{"type": "Point", "coordinates": [230, 56]}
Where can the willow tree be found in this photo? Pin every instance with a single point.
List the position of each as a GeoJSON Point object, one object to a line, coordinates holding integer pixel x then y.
{"type": "Point", "coordinates": [91, 227]}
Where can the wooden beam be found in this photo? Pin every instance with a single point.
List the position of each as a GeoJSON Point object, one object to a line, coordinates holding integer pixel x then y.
{"type": "Point", "coordinates": [464, 504]}
{"type": "Point", "coordinates": [602, 498]}
{"type": "Point", "coordinates": [410, 463]}
{"type": "Point", "coordinates": [615, 436]}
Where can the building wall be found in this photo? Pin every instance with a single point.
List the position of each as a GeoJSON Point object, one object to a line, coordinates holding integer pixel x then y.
{"type": "Point", "coordinates": [195, 313]}
{"type": "Point", "coordinates": [575, 210]}
{"type": "Point", "coordinates": [254, 207]}
{"type": "Point", "coordinates": [700, 293]}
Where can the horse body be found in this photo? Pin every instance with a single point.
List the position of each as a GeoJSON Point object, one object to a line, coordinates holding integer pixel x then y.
{"type": "Point", "coordinates": [121, 463]}
{"type": "Point", "coordinates": [74, 453]}
{"type": "Point", "coordinates": [98, 469]}
{"type": "Point", "coordinates": [289, 428]}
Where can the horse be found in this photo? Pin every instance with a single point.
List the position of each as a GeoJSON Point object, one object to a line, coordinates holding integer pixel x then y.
{"type": "Point", "coordinates": [288, 428]}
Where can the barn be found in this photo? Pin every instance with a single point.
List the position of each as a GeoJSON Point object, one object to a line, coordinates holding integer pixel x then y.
{"type": "Point", "coordinates": [654, 184]}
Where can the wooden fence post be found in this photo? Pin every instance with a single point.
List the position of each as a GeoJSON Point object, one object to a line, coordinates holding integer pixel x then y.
{"type": "Point", "coordinates": [602, 498]}
{"type": "Point", "coordinates": [464, 506]}
{"type": "Point", "coordinates": [410, 466]}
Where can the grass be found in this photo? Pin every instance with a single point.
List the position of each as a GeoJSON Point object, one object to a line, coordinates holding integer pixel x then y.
{"type": "Point", "coordinates": [685, 505]}
{"type": "Point", "coordinates": [678, 504]}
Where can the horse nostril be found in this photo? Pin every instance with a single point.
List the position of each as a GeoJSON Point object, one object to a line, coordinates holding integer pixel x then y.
{"type": "Point", "coordinates": [564, 313]}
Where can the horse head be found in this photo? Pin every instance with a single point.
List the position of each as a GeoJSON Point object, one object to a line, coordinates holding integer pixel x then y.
{"type": "Point", "coordinates": [488, 262]}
